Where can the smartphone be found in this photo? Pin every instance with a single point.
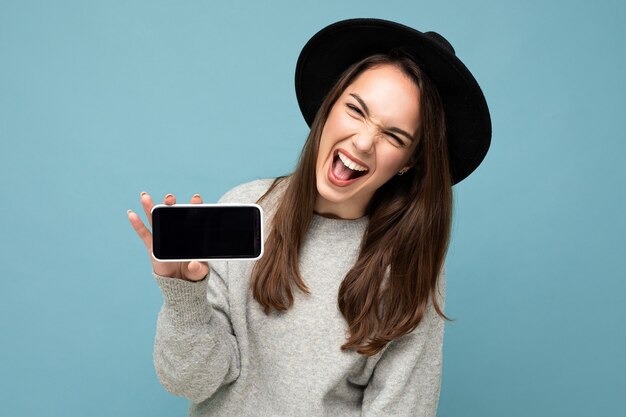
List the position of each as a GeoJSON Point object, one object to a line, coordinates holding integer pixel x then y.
{"type": "Point", "coordinates": [200, 232]}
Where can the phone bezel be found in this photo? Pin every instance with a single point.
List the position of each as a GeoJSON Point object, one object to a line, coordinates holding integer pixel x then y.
{"type": "Point", "coordinates": [174, 206]}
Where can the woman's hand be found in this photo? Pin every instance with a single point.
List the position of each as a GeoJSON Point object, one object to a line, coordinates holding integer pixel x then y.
{"type": "Point", "coordinates": [190, 271]}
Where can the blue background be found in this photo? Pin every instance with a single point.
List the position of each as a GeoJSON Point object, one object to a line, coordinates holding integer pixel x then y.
{"type": "Point", "coordinates": [102, 100]}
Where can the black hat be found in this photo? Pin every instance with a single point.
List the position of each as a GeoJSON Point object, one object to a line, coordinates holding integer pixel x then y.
{"type": "Point", "coordinates": [337, 46]}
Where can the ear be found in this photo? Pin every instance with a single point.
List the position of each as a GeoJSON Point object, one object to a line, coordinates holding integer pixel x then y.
{"type": "Point", "coordinates": [409, 164]}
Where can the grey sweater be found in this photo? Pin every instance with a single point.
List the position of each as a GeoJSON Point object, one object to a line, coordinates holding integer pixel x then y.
{"type": "Point", "coordinates": [216, 347]}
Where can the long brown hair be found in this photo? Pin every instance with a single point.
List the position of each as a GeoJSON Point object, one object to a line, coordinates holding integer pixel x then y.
{"type": "Point", "coordinates": [407, 235]}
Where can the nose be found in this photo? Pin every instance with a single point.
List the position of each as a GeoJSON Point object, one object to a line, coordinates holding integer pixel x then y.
{"type": "Point", "coordinates": [366, 138]}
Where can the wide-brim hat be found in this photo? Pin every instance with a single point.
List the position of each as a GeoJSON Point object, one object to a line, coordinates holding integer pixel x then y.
{"type": "Point", "coordinates": [337, 46]}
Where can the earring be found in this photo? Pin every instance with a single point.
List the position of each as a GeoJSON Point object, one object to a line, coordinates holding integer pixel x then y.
{"type": "Point", "coordinates": [402, 171]}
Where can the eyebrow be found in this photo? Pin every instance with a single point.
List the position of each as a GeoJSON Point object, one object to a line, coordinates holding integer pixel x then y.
{"type": "Point", "coordinates": [367, 112]}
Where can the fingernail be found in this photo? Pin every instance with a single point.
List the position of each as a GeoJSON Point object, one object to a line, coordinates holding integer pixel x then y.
{"type": "Point", "coordinates": [196, 195]}
{"type": "Point", "coordinates": [143, 192]}
{"type": "Point", "coordinates": [129, 211]}
{"type": "Point", "coordinates": [169, 195]}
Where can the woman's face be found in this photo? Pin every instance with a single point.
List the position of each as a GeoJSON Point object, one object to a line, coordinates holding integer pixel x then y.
{"type": "Point", "coordinates": [363, 130]}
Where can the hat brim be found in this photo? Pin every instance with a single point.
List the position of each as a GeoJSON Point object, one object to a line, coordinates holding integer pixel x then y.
{"type": "Point", "coordinates": [334, 48]}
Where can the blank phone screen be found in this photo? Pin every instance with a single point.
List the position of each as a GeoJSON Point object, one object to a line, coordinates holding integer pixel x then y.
{"type": "Point", "coordinates": [205, 232]}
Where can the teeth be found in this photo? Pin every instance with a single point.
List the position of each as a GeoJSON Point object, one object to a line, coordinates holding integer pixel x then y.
{"type": "Point", "coordinates": [350, 164]}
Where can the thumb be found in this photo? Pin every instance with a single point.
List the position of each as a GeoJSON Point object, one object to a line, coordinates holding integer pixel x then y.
{"type": "Point", "coordinates": [196, 271]}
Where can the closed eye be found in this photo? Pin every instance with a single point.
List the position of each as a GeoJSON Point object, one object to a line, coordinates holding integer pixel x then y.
{"type": "Point", "coordinates": [353, 107]}
{"type": "Point", "coordinates": [400, 142]}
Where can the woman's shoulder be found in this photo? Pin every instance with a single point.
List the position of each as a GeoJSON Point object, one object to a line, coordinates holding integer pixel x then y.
{"type": "Point", "coordinates": [248, 192]}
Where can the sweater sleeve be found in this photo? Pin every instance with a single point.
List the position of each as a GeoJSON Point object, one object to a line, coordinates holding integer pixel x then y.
{"type": "Point", "coordinates": [195, 349]}
{"type": "Point", "coordinates": [407, 379]}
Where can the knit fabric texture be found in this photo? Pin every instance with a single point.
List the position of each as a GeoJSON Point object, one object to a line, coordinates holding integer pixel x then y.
{"type": "Point", "coordinates": [215, 346]}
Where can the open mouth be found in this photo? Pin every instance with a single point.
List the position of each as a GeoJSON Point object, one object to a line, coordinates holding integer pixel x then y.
{"type": "Point", "coordinates": [345, 169]}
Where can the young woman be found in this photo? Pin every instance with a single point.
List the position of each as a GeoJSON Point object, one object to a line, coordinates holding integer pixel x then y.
{"type": "Point", "coordinates": [343, 315]}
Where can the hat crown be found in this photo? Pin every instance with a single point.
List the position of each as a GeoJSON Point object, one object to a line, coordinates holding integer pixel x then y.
{"type": "Point", "coordinates": [440, 40]}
